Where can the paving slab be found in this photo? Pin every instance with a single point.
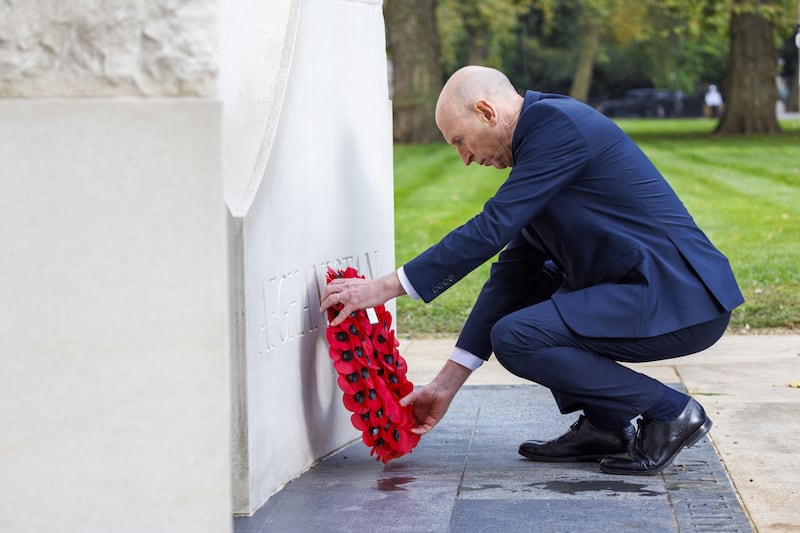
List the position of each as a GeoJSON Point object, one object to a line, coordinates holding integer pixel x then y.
{"type": "Point", "coordinates": [466, 476]}
{"type": "Point", "coordinates": [747, 384]}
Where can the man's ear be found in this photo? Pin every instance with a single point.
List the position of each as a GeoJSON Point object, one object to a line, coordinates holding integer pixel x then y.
{"type": "Point", "coordinates": [486, 110]}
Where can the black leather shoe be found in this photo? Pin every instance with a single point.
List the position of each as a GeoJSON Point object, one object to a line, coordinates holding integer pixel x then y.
{"type": "Point", "coordinates": [658, 442]}
{"type": "Point", "coordinates": [583, 442]}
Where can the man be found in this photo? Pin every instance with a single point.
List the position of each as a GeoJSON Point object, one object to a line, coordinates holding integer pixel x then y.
{"type": "Point", "coordinates": [600, 263]}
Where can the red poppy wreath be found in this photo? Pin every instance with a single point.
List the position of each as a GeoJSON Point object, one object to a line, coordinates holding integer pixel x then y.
{"type": "Point", "coordinates": [372, 376]}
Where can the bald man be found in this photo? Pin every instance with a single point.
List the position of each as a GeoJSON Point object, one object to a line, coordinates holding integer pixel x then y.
{"type": "Point", "coordinates": [600, 264]}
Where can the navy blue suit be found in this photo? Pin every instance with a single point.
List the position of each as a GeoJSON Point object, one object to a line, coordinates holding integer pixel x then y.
{"type": "Point", "coordinates": [588, 225]}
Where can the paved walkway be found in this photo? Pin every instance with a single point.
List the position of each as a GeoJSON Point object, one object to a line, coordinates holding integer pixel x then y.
{"type": "Point", "coordinates": [466, 475]}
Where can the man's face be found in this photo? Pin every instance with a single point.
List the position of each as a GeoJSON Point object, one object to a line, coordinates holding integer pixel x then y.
{"type": "Point", "coordinates": [477, 138]}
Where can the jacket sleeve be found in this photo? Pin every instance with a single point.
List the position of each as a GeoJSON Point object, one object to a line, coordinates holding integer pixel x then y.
{"type": "Point", "coordinates": [522, 276]}
{"type": "Point", "coordinates": [549, 153]}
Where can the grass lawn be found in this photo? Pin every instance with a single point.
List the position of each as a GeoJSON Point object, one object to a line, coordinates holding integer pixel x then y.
{"type": "Point", "coordinates": [744, 192]}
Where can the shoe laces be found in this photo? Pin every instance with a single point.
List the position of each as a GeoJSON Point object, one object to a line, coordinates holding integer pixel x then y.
{"type": "Point", "coordinates": [575, 425]}
{"type": "Point", "coordinates": [641, 424]}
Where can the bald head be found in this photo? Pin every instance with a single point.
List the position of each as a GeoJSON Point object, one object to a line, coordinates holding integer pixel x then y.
{"type": "Point", "coordinates": [469, 85]}
{"type": "Point", "coordinates": [477, 112]}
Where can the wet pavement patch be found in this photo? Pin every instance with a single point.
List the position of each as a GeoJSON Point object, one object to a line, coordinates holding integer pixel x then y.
{"type": "Point", "coordinates": [574, 487]}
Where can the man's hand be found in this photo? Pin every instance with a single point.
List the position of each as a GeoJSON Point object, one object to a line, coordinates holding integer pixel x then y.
{"type": "Point", "coordinates": [431, 402]}
{"type": "Point", "coordinates": [356, 294]}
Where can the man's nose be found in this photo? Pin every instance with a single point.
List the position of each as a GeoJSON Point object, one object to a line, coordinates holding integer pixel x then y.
{"type": "Point", "coordinates": [466, 155]}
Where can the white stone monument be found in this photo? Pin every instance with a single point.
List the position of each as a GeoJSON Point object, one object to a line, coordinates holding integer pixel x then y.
{"type": "Point", "coordinates": [177, 176]}
{"type": "Point", "coordinates": [321, 196]}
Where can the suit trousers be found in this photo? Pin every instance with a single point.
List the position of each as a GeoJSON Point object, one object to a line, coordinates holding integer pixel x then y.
{"type": "Point", "coordinates": [584, 373]}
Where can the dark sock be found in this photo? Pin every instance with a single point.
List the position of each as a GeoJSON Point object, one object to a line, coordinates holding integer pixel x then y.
{"type": "Point", "coordinates": [605, 421]}
{"type": "Point", "coordinates": [669, 407]}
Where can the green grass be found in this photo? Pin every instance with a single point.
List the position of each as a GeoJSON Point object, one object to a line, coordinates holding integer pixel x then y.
{"type": "Point", "coordinates": [744, 192]}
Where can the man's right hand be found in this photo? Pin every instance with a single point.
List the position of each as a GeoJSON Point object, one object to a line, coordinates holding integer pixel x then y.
{"type": "Point", "coordinates": [431, 402]}
{"type": "Point", "coordinates": [355, 294]}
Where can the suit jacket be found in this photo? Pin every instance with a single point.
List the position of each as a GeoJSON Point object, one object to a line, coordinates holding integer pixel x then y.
{"type": "Point", "coordinates": [585, 218]}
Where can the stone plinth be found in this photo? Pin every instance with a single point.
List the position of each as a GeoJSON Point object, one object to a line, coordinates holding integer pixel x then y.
{"type": "Point", "coordinates": [177, 177]}
{"type": "Point", "coordinates": [113, 330]}
{"type": "Point", "coordinates": [324, 199]}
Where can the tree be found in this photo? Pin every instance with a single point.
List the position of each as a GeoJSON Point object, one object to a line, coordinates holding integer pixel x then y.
{"type": "Point", "coordinates": [543, 54]}
{"type": "Point", "coordinates": [479, 32]}
{"type": "Point", "coordinates": [590, 43]}
{"type": "Point", "coordinates": [687, 43]}
{"type": "Point", "coordinates": [413, 44]}
{"type": "Point", "coordinates": [613, 21]}
{"type": "Point", "coordinates": [749, 84]}
{"type": "Point", "coordinates": [556, 45]}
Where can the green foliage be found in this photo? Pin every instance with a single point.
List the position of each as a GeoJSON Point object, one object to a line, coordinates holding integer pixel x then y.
{"type": "Point", "coordinates": [676, 44]}
{"type": "Point", "coordinates": [742, 191]}
{"type": "Point", "coordinates": [687, 44]}
{"type": "Point", "coordinates": [435, 193]}
{"type": "Point", "coordinates": [775, 11]}
{"type": "Point", "coordinates": [478, 31]}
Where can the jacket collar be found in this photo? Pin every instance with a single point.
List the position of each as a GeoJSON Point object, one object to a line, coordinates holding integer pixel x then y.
{"type": "Point", "coordinates": [531, 97]}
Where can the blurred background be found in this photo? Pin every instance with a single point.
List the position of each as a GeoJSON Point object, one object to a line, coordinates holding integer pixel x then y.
{"type": "Point", "coordinates": [708, 89]}
{"type": "Point", "coordinates": [628, 58]}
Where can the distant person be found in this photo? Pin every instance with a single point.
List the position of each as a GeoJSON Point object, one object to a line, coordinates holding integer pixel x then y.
{"type": "Point", "coordinates": [600, 264]}
{"type": "Point", "coordinates": [713, 101]}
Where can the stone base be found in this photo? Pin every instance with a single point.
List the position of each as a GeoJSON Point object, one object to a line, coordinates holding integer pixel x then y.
{"type": "Point", "coordinates": [114, 323]}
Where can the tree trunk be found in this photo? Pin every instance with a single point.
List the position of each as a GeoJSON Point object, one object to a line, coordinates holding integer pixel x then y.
{"type": "Point", "coordinates": [582, 81]}
{"type": "Point", "coordinates": [417, 74]}
{"type": "Point", "coordinates": [748, 89]}
{"type": "Point", "coordinates": [476, 51]}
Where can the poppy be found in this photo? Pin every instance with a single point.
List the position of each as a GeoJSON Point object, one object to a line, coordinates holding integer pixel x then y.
{"type": "Point", "coordinates": [345, 367]}
{"type": "Point", "coordinates": [338, 340]}
{"type": "Point", "coordinates": [359, 422]}
{"type": "Point", "coordinates": [355, 402]}
{"type": "Point", "coordinates": [347, 386]}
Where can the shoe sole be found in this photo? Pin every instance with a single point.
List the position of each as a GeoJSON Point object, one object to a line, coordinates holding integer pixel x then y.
{"type": "Point", "coordinates": [573, 459]}
{"type": "Point", "coordinates": [690, 441]}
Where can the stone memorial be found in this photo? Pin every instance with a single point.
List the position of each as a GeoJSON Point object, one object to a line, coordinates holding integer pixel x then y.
{"type": "Point", "coordinates": [321, 197]}
{"type": "Point", "coordinates": [178, 175]}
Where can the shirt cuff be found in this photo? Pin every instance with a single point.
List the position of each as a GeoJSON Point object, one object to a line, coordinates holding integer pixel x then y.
{"type": "Point", "coordinates": [466, 359]}
{"type": "Point", "coordinates": [407, 286]}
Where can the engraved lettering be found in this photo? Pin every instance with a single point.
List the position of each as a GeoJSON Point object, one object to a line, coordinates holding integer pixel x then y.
{"type": "Point", "coordinates": [269, 293]}
{"type": "Point", "coordinates": [287, 302]}
{"type": "Point", "coordinates": [311, 317]}
{"type": "Point", "coordinates": [366, 269]}
{"type": "Point", "coordinates": [290, 301]}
